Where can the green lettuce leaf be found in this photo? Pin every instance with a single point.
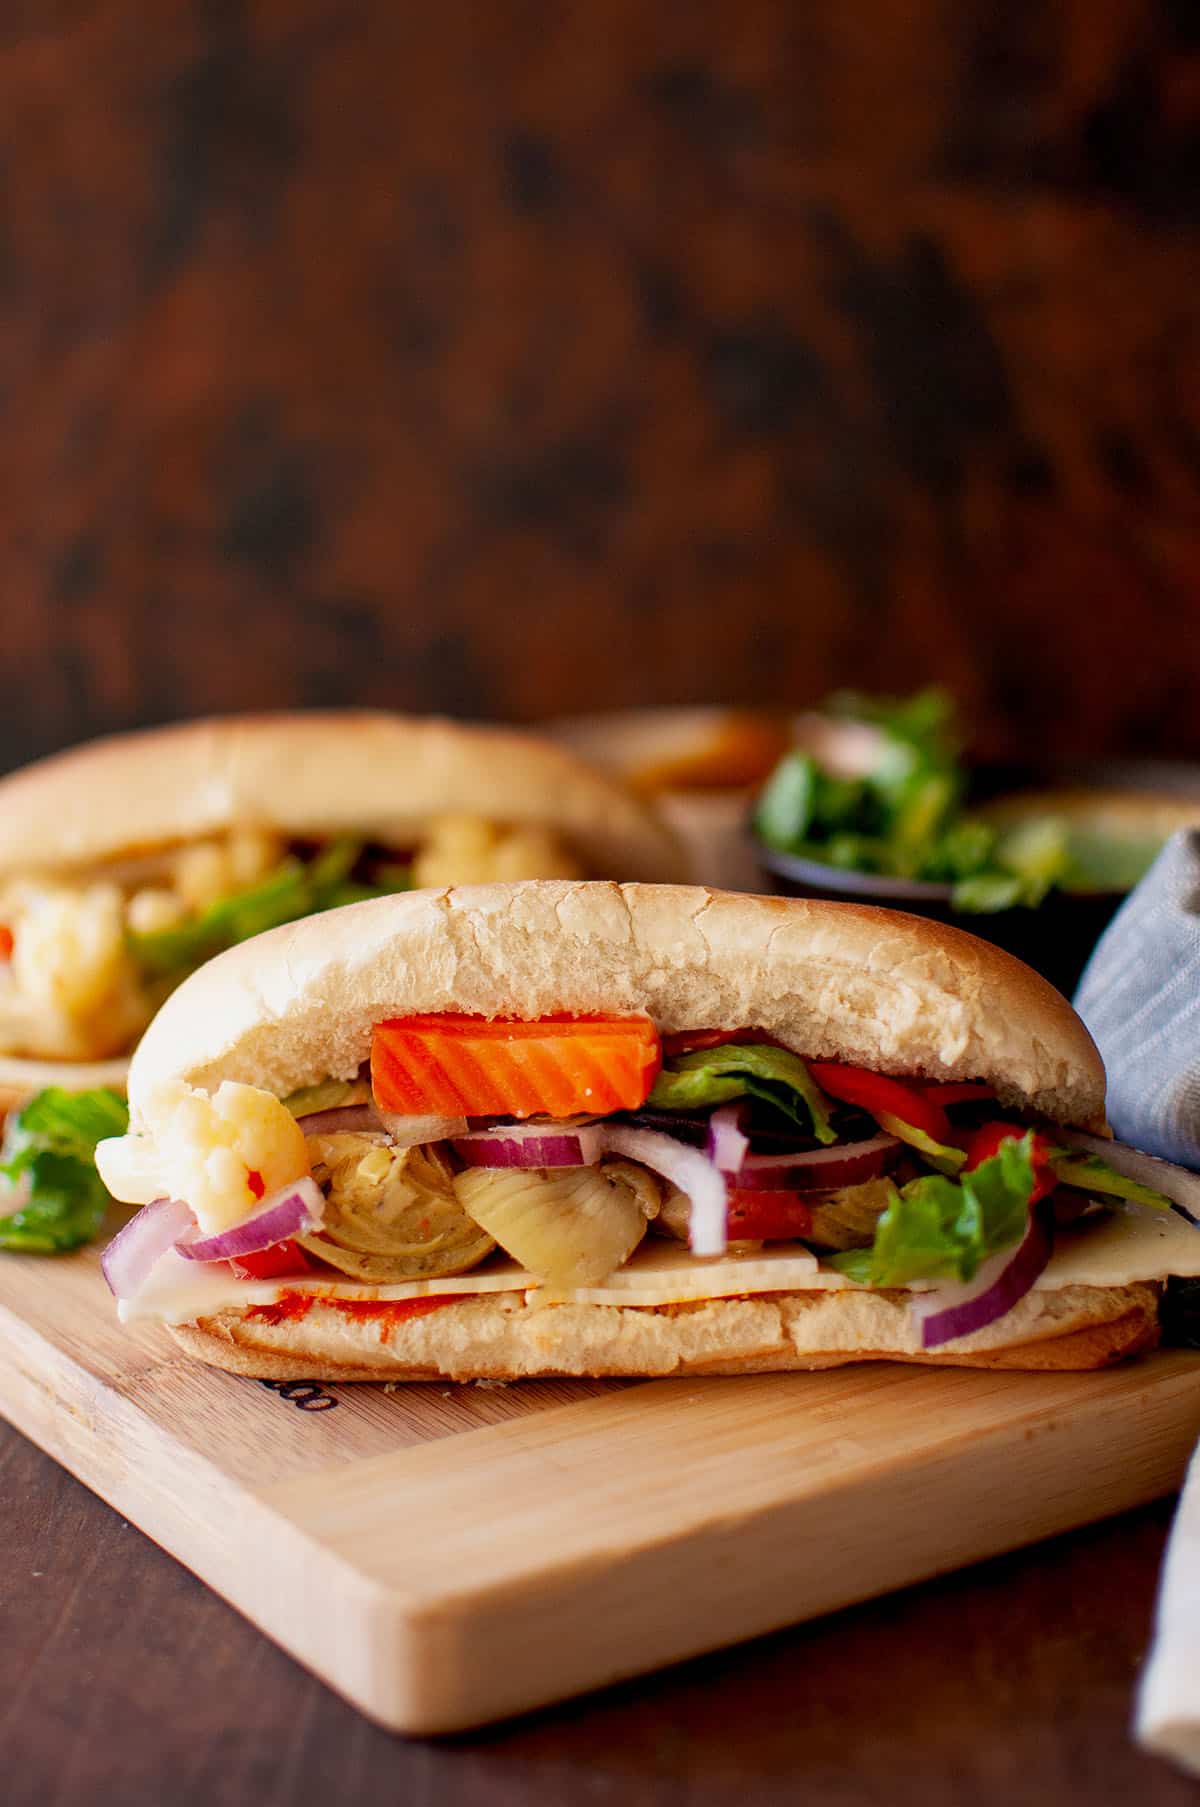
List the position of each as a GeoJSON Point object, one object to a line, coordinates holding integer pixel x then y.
{"type": "Point", "coordinates": [986, 892]}
{"type": "Point", "coordinates": [294, 889]}
{"type": "Point", "coordinates": [49, 1150]}
{"type": "Point", "coordinates": [785, 808]}
{"type": "Point", "coordinates": [905, 817]}
{"type": "Point", "coordinates": [1091, 1174]}
{"type": "Point", "coordinates": [739, 1070]}
{"type": "Point", "coordinates": [936, 1228]}
{"type": "Point", "coordinates": [854, 1263]}
{"type": "Point", "coordinates": [67, 1122]}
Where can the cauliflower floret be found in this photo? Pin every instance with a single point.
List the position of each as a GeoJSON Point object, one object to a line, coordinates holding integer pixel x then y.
{"type": "Point", "coordinates": [71, 990]}
{"type": "Point", "coordinates": [155, 908]}
{"type": "Point", "coordinates": [221, 1154]}
{"type": "Point", "coordinates": [69, 948]}
{"type": "Point", "coordinates": [532, 853]}
{"type": "Point", "coordinates": [75, 986]}
{"type": "Point", "coordinates": [207, 871]}
{"type": "Point", "coordinates": [202, 874]}
{"type": "Point", "coordinates": [469, 850]}
{"type": "Point", "coordinates": [458, 851]}
{"type": "Point", "coordinates": [252, 854]}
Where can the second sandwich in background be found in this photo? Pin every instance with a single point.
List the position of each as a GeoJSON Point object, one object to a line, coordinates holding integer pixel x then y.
{"type": "Point", "coordinates": [128, 862]}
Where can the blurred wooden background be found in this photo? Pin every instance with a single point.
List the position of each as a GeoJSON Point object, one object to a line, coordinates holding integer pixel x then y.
{"type": "Point", "coordinates": [513, 356]}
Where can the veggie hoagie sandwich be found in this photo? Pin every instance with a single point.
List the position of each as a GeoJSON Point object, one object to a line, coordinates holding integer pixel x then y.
{"type": "Point", "coordinates": [557, 1128]}
{"type": "Point", "coordinates": [127, 863]}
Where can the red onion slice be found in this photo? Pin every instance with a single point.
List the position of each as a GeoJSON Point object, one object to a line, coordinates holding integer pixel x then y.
{"type": "Point", "coordinates": [818, 1169]}
{"type": "Point", "coordinates": [293, 1211]}
{"type": "Point", "coordinates": [1002, 1279]}
{"type": "Point", "coordinates": [135, 1249]}
{"type": "Point", "coordinates": [727, 1144]}
{"type": "Point", "coordinates": [688, 1169]}
{"type": "Point", "coordinates": [545, 1144]}
{"type": "Point", "coordinates": [1178, 1184]}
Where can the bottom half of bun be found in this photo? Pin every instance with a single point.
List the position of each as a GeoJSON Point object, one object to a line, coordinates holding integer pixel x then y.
{"type": "Point", "coordinates": [500, 1336]}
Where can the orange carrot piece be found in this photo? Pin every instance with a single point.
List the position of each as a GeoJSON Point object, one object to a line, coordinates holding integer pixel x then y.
{"type": "Point", "coordinates": [466, 1066]}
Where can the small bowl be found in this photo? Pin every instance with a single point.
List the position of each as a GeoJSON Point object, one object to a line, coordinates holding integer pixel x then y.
{"type": "Point", "coordinates": [1056, 937]}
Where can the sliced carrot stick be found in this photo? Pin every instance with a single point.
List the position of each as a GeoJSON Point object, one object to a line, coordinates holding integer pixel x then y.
{"type": "Point", "coordinates": [466, 1066]}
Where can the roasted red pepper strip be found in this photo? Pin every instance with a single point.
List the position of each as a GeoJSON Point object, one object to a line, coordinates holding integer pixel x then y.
{"type": "Point", "coordinates": [883, 1097]}
{"type": "Point", "coordinates": [986, 1140]}
{"type": "Point", "coordinates": [6, 942]}
{"type": "Point", "coordinates": [767, 1216]}
{"type": "Point", "coordinates": [958, 1091]}
{"type": "Point", "coordinates": [271, 1264]}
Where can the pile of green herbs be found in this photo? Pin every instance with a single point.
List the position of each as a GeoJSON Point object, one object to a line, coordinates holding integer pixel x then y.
{"type": "Point", "coordinates": [906, 817]}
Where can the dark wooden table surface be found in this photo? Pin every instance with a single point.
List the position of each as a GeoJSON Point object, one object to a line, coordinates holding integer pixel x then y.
{"type": "Point", "coordinates": [123, 1680]}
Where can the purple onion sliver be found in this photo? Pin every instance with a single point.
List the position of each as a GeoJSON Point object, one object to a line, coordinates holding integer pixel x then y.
{"type": "Point", "coordinates": [819, 1169]}
{"type": "Point", "coordinates": [727, 1143]}
{"type": "Point", "coordinates": [141, 1242]}
{"type": "Point", "coordinates": [546, 1144]}
{"type": "Point", "coordinates": [528, 1151]}
{"type": "Point", "coordinates": [296, 1209]}
{"type": "Point", "coordinates": [993, 1293]}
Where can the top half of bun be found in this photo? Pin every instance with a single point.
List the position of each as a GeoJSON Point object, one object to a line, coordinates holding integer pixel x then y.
{"type": "Point", "coordinates": [383, 777]}
{"type": "Point", "coordinates": [841, 981]}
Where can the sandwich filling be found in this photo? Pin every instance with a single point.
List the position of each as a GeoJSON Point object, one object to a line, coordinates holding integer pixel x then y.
{"type": "Point", "coordinates": [591, 1160]}
{"type": "Point", "coordinates": [86, 958]}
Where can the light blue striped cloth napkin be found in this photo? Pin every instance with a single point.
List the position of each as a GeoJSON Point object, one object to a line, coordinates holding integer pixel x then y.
{"type": "Point", "coordinates": [1140, 997]}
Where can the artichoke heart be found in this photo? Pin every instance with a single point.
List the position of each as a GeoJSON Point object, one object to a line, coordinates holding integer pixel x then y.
{"type": "Point", "coordinates": [675, 1217]}
{"type": "Point", "coordinates": [571, 1226]}
{"type": "Point", "coordinates": [391, 1213]}
{"type": "Point", "coordinates": [847, 1219]}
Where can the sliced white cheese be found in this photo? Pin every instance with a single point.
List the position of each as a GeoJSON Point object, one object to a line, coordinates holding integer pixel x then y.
{"type": "Point", "coordinates": [658, 1273]}
{"type": "Point", "coordinates": [1114, 1249]}
{"type": "Point", "coordinates": [178, 1290]}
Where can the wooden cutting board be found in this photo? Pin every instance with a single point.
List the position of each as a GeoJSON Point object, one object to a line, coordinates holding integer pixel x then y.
{"type": "Point", "coordinates": [446, 1555]}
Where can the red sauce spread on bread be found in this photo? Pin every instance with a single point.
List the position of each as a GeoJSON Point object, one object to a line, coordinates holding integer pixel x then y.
{"type": "Point", "coordinates": [286, 1309]}
{"type": "Point", "coordinates": [392, 1311]}
{"type": "Point", "coordinates": [290, 1307]}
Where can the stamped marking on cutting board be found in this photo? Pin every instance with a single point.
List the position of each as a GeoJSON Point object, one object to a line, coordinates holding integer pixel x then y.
{"type": "Point", "coordinates": [305, 1394]}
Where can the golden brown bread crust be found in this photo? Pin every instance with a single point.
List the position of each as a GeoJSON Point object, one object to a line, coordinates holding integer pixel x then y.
{"type": "Point", "coordinates": [1098, 1346]}
{"type": "Point", "coordinates": [320, 773]}
{"type": "Point", "coordinates": [496, 1337]}
{"type": "Point", "coordinates": [839, 981]}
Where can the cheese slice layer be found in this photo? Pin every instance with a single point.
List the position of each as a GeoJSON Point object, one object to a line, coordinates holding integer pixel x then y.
{"type": "Point", "coordinates": [1115, 1249]}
